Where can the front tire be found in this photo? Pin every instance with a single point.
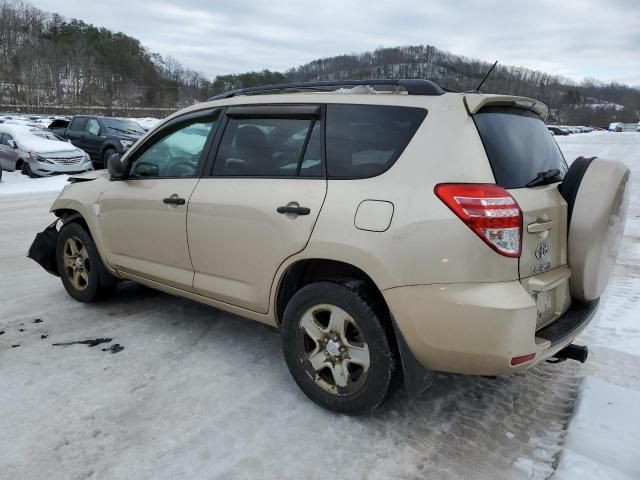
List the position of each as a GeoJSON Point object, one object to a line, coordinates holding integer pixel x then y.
{"type": "Point", "coordinates": [79, 263]}
{"type": "Point", "coordinates": [26, 170]}
{"type": "Point", "coordinates": [106, 156]}
{"type": "Point", "coordinates": [337, 347]}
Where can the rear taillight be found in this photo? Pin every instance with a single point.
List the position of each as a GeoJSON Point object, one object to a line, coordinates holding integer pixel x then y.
{"type": "Point", "coordinates": [487, 209]}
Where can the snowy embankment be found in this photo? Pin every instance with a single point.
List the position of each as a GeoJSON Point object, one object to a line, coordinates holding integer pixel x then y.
{"type": "Point", "coordinates": [603, 436]}
{"type": "Point", "coordinates": [16, 183]}
{"type": "Point", "coordinates": [603, 441]}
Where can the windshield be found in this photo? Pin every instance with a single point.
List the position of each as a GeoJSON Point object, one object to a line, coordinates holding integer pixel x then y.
{"type": "Point", "coordinates": [519, 146]}
{"type": "Point", "coordinates": [123, 126]}
{"type": "Point", "coordinates": [46, 135]}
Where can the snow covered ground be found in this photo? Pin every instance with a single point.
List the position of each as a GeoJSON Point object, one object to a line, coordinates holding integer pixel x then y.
{"type": "Point", "coordinates": [14, 183]}
{"type": "Point", "coordinates": [603, 437]}
{"type": "Point", "coordinates": [199, 393]}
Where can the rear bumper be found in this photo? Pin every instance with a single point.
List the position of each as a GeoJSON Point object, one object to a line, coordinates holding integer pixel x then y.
{"type": "Point", "coordinates": [478, 328]}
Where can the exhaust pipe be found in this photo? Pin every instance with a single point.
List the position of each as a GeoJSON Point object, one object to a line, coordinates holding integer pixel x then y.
{"type": "Point", "coordinates": [573, 352]}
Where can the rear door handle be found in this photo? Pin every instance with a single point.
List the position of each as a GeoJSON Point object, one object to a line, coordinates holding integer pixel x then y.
{"type": "Point", "coordinates": [294, 210]}
{"type": "Point", "coordinates": [174, 200]}
{"type": "Point", "coordinates": [539, 226]}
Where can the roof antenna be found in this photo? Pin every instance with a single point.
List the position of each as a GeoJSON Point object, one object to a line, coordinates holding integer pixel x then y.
{"type": "Point", "coordinates": [477, 89]}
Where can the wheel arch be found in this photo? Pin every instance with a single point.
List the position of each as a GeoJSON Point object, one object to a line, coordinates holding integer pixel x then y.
{"type": "Point", "coordinates": [108, 145]}
{"type": "Point", "coordinates": [68, 214]}
{"type": "Point", "coordinates": [416, 376]}
{"type": "Point", "coordinates": [309, 270]}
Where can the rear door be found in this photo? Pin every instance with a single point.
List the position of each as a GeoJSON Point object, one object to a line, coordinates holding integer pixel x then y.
{"type": "Point", "coordinates": [92, 141]}
{"type": "Point", "coordinates": [521, 150]}
{"type": "Point", "coordinates": [259, 204]}
{"type": "Point", "coordinates": [76, 131]}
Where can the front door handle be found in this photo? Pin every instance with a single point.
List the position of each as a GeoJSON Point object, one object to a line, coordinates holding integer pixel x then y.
{"type": "Point", "coordinates": [294, 210]}
{"type": "Point", "coordinates": [174, 200]}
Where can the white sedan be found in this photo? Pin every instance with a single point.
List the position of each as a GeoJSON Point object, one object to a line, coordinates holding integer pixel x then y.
{"type": "Point", "coordinates": [39, 152]}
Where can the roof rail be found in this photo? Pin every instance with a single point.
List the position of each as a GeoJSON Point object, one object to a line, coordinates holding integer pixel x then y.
{"type": "Point", "coordinates": [412, 86]}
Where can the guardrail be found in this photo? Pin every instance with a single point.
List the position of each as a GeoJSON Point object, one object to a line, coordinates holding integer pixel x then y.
{"type": "Point", "coordinates": [158, 112]}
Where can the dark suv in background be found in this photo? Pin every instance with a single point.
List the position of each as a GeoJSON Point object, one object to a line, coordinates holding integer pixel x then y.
{"type": "Point", "coordinates": [100, 137]}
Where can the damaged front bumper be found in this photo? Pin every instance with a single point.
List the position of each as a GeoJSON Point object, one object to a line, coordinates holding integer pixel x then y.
{"type": "Point", "coordinates": [43, 249]}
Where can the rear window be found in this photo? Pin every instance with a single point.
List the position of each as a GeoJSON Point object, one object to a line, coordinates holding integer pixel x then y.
{"type": "Point", "coordinates": [365, 140]}
{"type": "Point", "coordinates": [518, 145]}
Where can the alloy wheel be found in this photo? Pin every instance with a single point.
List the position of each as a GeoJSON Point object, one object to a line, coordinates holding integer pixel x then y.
{"type": "Point", "coordinates": [333, 349]}
{"type": "Point", "coordinates": [76, 263]}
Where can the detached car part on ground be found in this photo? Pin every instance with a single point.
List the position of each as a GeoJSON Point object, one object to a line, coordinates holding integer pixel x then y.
{"type": "Point", "coordinates": [387, 235]}
{"type": "Point", "coordinates": [39, 152]}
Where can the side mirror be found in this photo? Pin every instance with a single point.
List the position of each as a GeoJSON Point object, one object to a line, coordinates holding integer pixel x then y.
{"type": "Point", "coordinates": [12, 144]}
{"type": "Point", "coordinates": [117, 168]}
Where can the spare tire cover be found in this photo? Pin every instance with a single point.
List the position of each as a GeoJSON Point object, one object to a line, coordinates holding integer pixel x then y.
{"type": "Point", "coordinates": [597, 191]}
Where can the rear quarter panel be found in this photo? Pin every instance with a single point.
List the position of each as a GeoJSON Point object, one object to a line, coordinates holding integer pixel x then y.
{"type": "Point", "coordinates": [425, 243]}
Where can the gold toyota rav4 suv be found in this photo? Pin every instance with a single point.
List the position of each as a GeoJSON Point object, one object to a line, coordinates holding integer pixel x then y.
{"type": "Point", "coordinates": [388, 228]}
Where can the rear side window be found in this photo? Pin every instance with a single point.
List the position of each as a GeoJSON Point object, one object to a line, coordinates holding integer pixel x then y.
{"type": "Point", "coordinates": [518, 145]}
{"type": "Point", "coordinates": [365, 140]}
{"type": "Point", "coordinates": [93, 127]}
{"type": "Point", "coordinates": [269, 147]}
{"type": "Point", "coordinates": [78, 123]}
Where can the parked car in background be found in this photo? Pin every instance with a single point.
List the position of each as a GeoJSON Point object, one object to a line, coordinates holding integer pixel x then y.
{"type": "Point", "coordinates": [615, 127]}
{"type": "Point", "coordinates": [39, 152]}
{"type": "Point", "coordinates": [638, 127]}
{"type": "Point", "coordinates": [556, 130]}
{"type": "Point", "coordinates": [100, 137]}
{"type": "Point", "coordinates": [23, 122]}
{"type": "Point", "coordinates": [387, 235]}
{"type": "Point", "coordinates": [147, 123]}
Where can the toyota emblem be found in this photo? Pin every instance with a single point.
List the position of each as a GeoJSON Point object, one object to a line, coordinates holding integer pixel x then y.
{"type": "Point", "coordinates": [541, 251]}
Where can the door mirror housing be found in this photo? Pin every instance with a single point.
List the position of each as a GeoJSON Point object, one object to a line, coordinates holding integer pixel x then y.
{"type": "Point", "coordinates": [117, 168]}
{"type": "Point", "coordinates": [12, 144]}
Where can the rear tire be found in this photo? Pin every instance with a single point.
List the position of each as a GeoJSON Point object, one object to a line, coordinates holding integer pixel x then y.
{"type": "Point", "coordinates": [338, 348]}
{"type": "Point", "coordinates": [79, 264]}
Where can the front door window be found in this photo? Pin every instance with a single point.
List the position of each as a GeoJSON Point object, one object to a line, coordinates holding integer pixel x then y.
{"type": "Point", "coordinates": [176, 154]}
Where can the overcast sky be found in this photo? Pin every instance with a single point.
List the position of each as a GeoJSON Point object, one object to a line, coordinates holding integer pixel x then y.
{"type": "Point", "coordinates": [575, 38]}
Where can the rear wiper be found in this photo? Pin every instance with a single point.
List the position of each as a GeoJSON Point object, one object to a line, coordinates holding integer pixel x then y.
{"type": "Point", "coordinates": [542, 177]}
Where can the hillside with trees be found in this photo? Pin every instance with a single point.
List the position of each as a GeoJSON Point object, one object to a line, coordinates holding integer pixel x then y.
{"type": "Point", "coordinates": [46, 60]}
{"type": "Point", "coordinates": [49, 62]}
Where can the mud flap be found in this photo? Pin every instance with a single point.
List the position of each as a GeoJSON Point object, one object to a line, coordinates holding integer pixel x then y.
{"type": "Point", "coordinates": [417, 378]}
{"type": "Point", "coordinates": [43, 249]}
